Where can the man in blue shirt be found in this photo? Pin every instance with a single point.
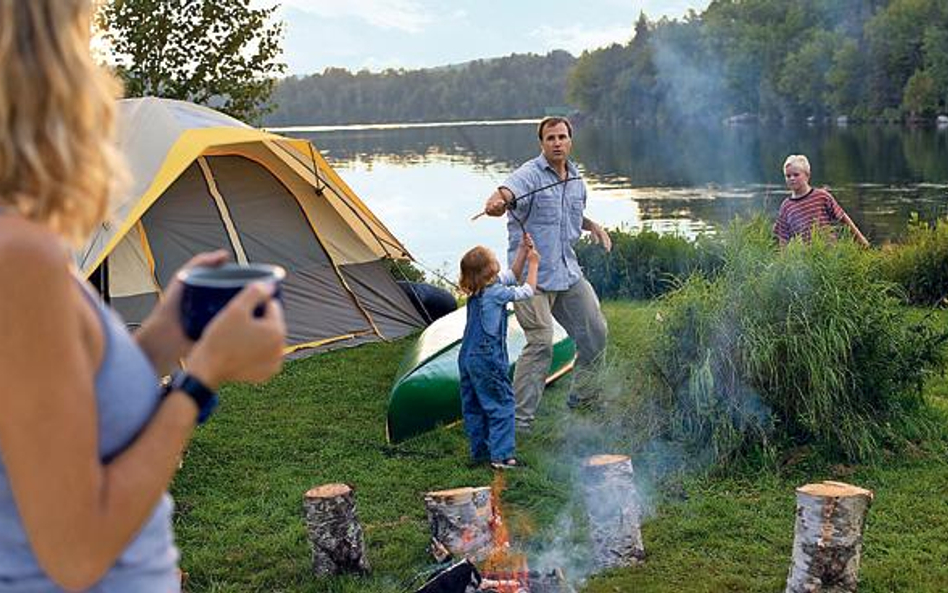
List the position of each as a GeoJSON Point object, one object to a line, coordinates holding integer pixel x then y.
{"type": "Point", "coordinates": [546, 197]}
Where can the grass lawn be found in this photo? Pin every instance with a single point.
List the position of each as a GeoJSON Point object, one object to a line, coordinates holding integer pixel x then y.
{"type": "Point", "coordinates": [239, 494]}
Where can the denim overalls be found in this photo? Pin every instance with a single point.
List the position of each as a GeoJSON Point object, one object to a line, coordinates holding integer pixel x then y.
{"type": "Point", "coordinates": [487, 399]}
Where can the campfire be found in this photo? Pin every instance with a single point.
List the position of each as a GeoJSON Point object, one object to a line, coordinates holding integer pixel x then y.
{"type": "Point", "coordinates": [504, 570]}
{"type": "Point", "coordinates": [469, 523]}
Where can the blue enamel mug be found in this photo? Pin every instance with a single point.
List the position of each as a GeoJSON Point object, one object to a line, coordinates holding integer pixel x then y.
{"type": "Point", "coordinates": [207, 289]}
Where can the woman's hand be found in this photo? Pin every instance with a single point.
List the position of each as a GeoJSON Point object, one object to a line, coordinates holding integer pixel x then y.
{"type": "Point", "coordinates": [161, 335]}
{"type": "Point", "coordinates": [236, 346]}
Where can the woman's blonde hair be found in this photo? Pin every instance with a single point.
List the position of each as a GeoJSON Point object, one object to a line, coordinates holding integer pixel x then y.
{"type": "Point", "coordinates": [58, 162]}
{"type": "Point", "coordinates": [479, 267]}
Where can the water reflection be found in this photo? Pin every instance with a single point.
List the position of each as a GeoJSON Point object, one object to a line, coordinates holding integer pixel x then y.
{"type": "Point", "coordinates": [425, 183]}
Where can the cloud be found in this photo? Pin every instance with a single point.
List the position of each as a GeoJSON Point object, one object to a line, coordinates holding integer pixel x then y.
{"type": "Point", "coordinates": [576, 38]}
{"type": "Point", "coordinates": [403, 15]}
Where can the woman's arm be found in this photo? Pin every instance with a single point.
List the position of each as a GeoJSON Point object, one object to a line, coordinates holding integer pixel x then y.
{"type": "Point", "coordinates": [79, 513]}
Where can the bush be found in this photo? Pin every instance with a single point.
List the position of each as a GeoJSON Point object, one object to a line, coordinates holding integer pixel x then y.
{"type": "Point", "coordinates": [404, 270]}
{"type": "Point", "coordinates": [645, 265]}
{"type": "Point", "coordinates": [920, 264]}
{"type": "Point", "coordinates": [805, 344]}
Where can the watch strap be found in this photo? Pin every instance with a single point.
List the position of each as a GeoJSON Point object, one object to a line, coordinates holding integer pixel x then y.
{"type": "Point", "coordinates": [205, 398]}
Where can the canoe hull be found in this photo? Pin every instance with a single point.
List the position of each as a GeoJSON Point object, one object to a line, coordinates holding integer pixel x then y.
{"type": "Point", "coordinates": [426, 392]}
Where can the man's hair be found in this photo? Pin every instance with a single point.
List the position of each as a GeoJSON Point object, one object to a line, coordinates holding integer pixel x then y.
{"type": "Point", "coordinates": [552, 121]}
{"type": "Point", "coordinates": [478, 269]}
{"type": "Point", "coordinates": [58, 164]}
{"type": "Point", "coordinates": [798, 160]}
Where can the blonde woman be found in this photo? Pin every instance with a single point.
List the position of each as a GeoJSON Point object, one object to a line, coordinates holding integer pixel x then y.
{"type": "Point", "coordinates": [88, 441]}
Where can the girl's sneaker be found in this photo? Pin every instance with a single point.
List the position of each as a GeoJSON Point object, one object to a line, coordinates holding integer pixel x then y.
{"type": "Point", "coordinates": [512, 463]}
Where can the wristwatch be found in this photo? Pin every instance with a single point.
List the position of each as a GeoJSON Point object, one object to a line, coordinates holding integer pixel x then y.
{"type": "Point", "coordinates": [204, 397]}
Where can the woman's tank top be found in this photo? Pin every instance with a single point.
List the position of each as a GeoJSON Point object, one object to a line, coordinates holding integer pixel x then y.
{"type": "Point", "coordinates": [126, 389]}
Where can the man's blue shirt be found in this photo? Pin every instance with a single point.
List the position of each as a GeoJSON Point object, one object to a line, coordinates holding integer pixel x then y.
{"type": "Point", "coordinates": [554, 217]}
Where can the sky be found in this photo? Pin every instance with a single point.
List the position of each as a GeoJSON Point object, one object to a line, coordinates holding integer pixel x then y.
{"type": "Point", "coordinates": [410, 34]}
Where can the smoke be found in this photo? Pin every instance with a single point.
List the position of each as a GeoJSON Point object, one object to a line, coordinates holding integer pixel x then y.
{"type": "Point", "coordinates": [659, 432]}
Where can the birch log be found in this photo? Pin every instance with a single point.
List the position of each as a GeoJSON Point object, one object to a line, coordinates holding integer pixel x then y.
{"type": "Point", "coordinates": [614, 511]}
{"type": "Point", "coordinates": [827, 539]}
{"type": "Point", "coordinates": [460, 521]}
{"type": "Point", "coordinates": [334, 530]}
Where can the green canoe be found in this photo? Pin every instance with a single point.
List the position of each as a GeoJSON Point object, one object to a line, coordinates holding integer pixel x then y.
{"type": "Point", "coordinates": [426, 391]}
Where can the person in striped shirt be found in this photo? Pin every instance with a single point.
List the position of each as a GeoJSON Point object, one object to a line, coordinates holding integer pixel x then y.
{"type": "Point", "coordinates": [808, 206]}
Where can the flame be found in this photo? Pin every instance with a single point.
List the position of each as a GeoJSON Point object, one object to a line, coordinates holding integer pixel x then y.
{"type": "Point", "coordinates": [510, 568]}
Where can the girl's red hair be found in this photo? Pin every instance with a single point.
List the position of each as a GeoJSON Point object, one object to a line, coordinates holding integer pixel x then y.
{"type": "Point", "coordinates": [479, 267]}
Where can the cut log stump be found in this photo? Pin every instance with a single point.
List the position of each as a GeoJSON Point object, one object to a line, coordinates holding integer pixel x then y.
{"type": "Point", "coordinates": [334, 531]}
{"type": "Point", "coordinates": [614, 511]}
{"type": "Point", "coordinates": [827, 539]}
{"type": "Point", "coordinates": [460, 521]}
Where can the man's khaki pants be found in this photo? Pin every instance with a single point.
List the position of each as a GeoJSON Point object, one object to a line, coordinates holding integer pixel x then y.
{"type": "Point", "coordinates": [577, 310]}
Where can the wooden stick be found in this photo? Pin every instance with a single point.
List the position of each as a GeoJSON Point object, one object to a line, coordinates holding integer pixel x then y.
{"type": "Point", "coordinates": [614, 511]}
{"type": "Point", "coordinates": [827, 539]}
{"type": "Point", "coordinates": [478, 215]}
{"type": "Point", "coordinates": [334, 530]}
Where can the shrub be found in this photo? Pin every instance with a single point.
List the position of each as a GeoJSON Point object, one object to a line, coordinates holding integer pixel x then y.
{"type": "Point", "coordinates": [404, 270]}
{"type": "Point", "coordinates": [646, 264]}
{"type": "Point", "coordinates": [920, 264]}
{"type": "Point", "coordinates": [806, 343]}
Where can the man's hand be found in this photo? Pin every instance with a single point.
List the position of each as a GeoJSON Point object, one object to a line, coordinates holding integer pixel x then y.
{"type": "Point", "coordinates": [600, 236]}
{"type": "Point", "coordinates": [496, 204]}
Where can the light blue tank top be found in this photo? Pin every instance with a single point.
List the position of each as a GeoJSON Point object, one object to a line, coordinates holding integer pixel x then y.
{"type": "Point", "coordinates": [126, 389]}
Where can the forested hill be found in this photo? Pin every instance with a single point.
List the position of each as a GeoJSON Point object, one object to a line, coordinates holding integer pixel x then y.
{"type": "Point", "coordinates": [770, 59]}
{"type": "Point", "coordinates": [775, 59]}
{"type": "Point", "coordinates": [515, 86]}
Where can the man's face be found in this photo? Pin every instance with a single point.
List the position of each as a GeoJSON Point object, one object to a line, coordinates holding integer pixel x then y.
{"type": "Point", "coordinates": [556, 143]}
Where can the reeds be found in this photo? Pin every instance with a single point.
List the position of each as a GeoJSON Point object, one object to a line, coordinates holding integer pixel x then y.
{"type": "Point", "coordinates": [920, 263]}
{"type": "Point", "coordinates": [807, 343]}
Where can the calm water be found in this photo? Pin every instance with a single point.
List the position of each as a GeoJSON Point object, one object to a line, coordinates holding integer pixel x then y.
{"type": "Point", "coordinates": [425, 183]}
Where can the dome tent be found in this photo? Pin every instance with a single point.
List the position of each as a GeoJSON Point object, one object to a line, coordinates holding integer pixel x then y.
{"type": "Point", "coordinates": [201, 180]}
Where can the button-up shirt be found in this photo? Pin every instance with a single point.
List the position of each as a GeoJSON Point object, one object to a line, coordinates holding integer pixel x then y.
{"type": "Point", "coordinates": [553, 217]}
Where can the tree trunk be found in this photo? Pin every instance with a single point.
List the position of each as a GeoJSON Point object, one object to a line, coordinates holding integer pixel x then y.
{"type": "Point", "coordinates": [827, 540]}
{"type": "Point", "coordinates": [334, 530]}
{"type": "Point", "coordinates": [460, 521]}
{"type": "Point", "coordinates": [614, 511]}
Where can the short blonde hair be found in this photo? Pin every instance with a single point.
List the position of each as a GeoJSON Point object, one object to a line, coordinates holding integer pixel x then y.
{"type": "Point", "coordinates": [58, 162]}
{"type": "Point", "coordinates": [798, 160]}
{"type": "Point", "coordinates": [479, 267]}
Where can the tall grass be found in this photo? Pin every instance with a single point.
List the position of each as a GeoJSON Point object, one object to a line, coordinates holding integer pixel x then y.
{"type": "Point", "coordinates": [806, 344]}
{"type": "Point", "coordinates": [920, 263]}
{"type": "Point", "coordinates": [645, 265]}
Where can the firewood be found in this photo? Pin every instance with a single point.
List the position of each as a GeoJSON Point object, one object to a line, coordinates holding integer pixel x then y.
{"type": "Point", "coordinates": [614, 511]}
{"type": "Point", "coordinates": [827, 540]}
{"type": "Point", "coordinates": [460, 521]}
{"type": "Point", "coordinates": [334, 530]}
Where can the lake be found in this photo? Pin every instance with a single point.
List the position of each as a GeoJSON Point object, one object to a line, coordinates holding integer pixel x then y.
{"type": "Point", "coordinates": [426, 181]}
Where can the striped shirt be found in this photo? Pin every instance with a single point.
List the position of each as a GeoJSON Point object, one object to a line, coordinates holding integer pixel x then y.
{"type": "Point", "coordinates": [797, 216]}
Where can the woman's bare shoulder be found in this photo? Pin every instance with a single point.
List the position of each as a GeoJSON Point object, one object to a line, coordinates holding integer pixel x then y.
{"type": "Point", "coordinates": [26, 245]}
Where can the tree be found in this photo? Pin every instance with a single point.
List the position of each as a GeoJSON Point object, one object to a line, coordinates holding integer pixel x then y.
{"type": "Point", "coordinates": [221, 53]}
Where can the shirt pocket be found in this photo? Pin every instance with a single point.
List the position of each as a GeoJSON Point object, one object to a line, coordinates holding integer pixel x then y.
{"type": "Point", "coordinates": [546, 208]}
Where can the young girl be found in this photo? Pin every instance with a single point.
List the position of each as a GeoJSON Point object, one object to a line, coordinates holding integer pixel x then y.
{"type": "Point", "coordinates": [487, 399]}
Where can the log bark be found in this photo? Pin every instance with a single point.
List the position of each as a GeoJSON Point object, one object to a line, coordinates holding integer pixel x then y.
{"type": "Point", "coordinates": [460, 521]}
{"type": "Point", "coordinates": [827, 540]}
{"type": "Point", "coordinates": [334, 531]}
{"type": "Point", "coordinates": [614, 511]}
